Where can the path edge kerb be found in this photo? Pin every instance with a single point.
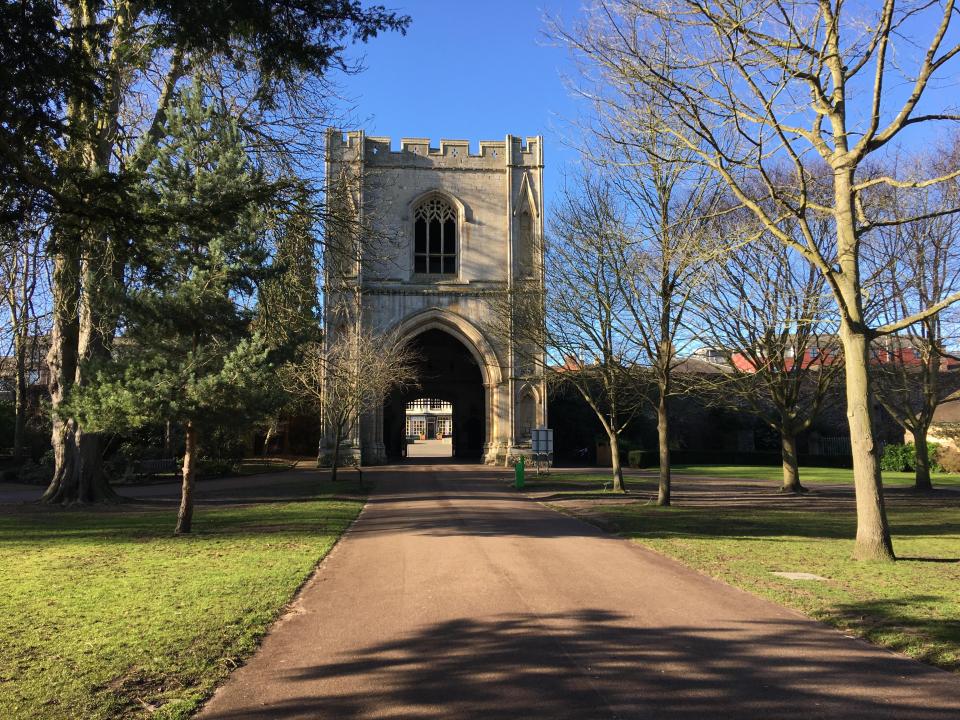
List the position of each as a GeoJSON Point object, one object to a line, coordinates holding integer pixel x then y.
{"type": "Point", "coordinates": [287, 610]}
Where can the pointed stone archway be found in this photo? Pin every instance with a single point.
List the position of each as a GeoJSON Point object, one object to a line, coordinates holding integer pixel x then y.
{"type": "Point", "coordinates": [456, 364]}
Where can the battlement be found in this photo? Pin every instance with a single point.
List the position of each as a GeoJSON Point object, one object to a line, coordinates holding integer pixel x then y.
{"type": "Point", "coordinates": [380, 151]}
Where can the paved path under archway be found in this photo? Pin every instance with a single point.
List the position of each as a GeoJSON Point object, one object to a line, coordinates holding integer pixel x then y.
{"type": "Point", "coordinates": [452, 597]}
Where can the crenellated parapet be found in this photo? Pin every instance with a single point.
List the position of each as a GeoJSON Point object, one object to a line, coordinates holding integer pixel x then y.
{"type": "Point", "coordinates": [418, 152]}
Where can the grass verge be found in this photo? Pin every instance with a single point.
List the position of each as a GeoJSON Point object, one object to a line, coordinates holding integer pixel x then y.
{"type": "Point", "coordinates": [106, 615]}
{"type": "Point", "coordinates": [599, 483]}
{"type": "Point", "coordinates": [911, 606]}
{"type": "Point", "coordinates": [256, 466]}
{"type": "Point", "coordinates": [598, 480]}
{"type": "Point", "coordinates": [808, 475]}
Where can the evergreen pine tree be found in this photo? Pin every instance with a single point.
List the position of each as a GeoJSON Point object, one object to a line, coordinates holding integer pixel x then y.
{"type": "Point", "coordinates": [187, 354]}
{"type": "Point", "coordinates": [288, 313]}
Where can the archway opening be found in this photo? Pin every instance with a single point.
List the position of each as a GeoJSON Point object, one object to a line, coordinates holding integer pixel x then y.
{"type": "Point", "coordinates": [448, 375]}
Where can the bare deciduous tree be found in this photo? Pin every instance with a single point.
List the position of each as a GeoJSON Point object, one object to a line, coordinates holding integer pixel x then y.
{"type": "Point", "coordinates": [671, 202]}
{"type": "Point", "coordinates": [768, 313]}
{"type": "Point", "coordinates": [922, 268]}
{"type": "Point", "coordinates": [23, 281]}
{"type": "Point", "coordinates": [349, 377]}
{"type": "Point", "coordinates": [747, 86]}
{"type": "Point", "coordinates": [575, 328]}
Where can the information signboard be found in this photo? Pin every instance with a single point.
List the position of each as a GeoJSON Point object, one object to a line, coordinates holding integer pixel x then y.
{"type": "Point", "coordinates": [541, 440]}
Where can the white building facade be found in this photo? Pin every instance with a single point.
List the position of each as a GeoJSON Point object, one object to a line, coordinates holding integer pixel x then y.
{"type": "Point", "coordinates": [429, 418]}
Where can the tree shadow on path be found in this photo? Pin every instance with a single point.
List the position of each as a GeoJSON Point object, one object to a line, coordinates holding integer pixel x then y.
{"type": "Point", "coordinates": [592, 664]}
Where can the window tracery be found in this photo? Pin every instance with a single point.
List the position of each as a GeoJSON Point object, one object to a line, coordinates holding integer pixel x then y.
{"type": "Point", "coordinates": [435, 238]}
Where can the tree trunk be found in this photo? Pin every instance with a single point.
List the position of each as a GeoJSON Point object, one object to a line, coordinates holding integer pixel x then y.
{"type": "Point", "coordinates": [922, 469]}
{"type": "Point", "coordinates": [335, 460]}
{"type": "Point", "coordinates": [92, 481]}
{"type": "Point", "coordinates": [20, 393]}
{"type": "Point", "coordinates": [83, 321]}
{"type": "Point", "coordinates": [663, 442]}
{"type": "Point", "coordinates": [618, 484]}
{"type": "Point", "coordinates": [271, 431]}
{"type": "Point", "coordinates": [62, 485]}
{"type": "Point", "coordinates": [62, 363]}
{"type": "Point", "coordinates": [98, 320]}
{"type": "Point", "coordinates": [873, 533]}
{"type": "Point", "coordinates": [65, 299]}
{"type": "Point", "coordinates": [78, 475]}
{"type": "Point", "coordinates": [81, 479]}
{"type": "Point", "coordinates": [185, 515]}
{"type": "Point", "coordinates": [791, 464]}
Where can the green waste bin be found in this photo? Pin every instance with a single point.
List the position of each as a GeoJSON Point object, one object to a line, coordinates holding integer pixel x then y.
{"type": "Point", "coordinates": [518, 474]}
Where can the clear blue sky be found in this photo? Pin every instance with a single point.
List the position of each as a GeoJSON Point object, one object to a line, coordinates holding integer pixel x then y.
{"type": "Point", "coordinates": [472, 71]}
{"type": "Point", "coordinates": [479, 70]}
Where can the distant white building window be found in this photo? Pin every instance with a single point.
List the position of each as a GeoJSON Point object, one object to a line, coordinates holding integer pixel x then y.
{"type": "Point", "coordinates": [422, 404]}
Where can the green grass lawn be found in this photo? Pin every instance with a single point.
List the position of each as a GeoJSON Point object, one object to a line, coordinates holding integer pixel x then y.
{"type": "Point", "coordinates": [809, 475]}
{"type": "Point", "coordinates": [579, 483]}
{"type": "Point", "coordinates": [594, 481]}
{"type": "Point", "coordinates": [912, 606]}
{"type": "Point", "coordinates": [106, 615]}
{"type": "Point", "coordinates": [257, 466]}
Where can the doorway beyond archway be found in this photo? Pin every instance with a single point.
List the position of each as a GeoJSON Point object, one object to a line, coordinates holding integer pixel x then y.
{"type": "Point", "coordinates": [447, 373]}
{"type": "Point", "coordinates": [429, 428]}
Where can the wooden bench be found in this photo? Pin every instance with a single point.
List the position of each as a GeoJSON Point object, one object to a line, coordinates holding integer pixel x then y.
{"type": "Point", "coordinates": [152, 468]}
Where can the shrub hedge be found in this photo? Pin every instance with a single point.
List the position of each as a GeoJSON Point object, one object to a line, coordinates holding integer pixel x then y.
{"type": "Point", "coordinates": [903, 458]}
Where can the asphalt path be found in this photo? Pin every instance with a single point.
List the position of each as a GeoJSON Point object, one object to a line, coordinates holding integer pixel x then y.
{"type": "Point", "coordinates": [453, 597]}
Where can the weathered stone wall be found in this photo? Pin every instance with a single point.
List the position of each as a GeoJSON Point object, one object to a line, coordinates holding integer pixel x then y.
{"type": "Point", "coordinates": [497, 195]}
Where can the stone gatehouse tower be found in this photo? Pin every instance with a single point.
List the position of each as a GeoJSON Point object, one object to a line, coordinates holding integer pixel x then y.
{"type": "Point", "coordinates": [443, 236]}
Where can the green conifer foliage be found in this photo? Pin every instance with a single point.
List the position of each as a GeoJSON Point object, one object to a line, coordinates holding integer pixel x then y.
{"type": "Point", "coordinates": [187, 354]}
{"type": "Point", "coordinates": [288, 311]}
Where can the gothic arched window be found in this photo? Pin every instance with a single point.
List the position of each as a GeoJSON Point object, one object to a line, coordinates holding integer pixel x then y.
{"type": "Point", "coordinates": [435, 238]}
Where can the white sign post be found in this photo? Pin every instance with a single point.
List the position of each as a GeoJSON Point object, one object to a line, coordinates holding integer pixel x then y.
{"type": "Point", "coordinates": [541, 440]}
